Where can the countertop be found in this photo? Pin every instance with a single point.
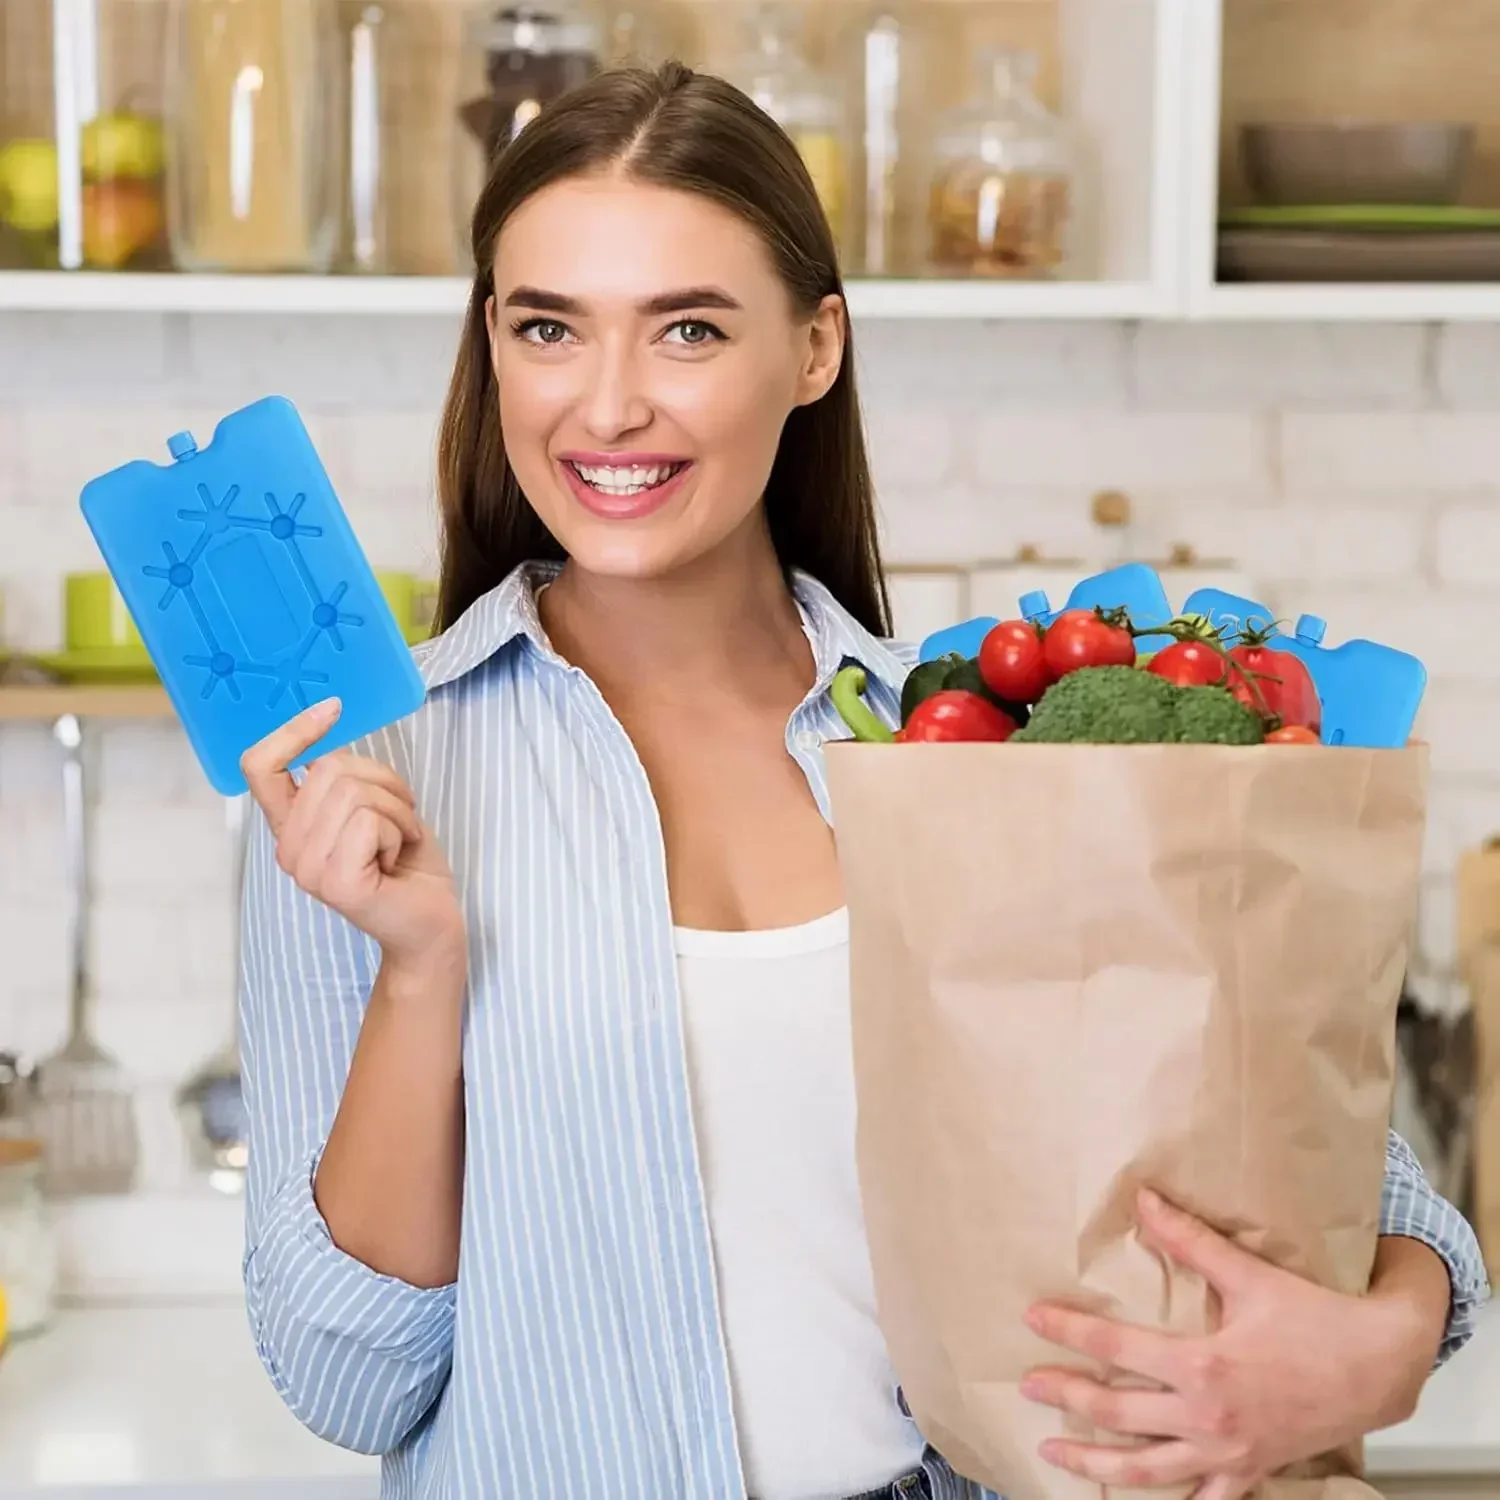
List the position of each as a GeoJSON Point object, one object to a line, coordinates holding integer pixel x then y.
{"type": "Point", "coordinates": [166, 1401]}
{"type": "Point", "coordinates": [170, 1402]}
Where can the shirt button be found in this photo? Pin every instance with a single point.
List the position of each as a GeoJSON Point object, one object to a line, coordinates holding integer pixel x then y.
{"type": "Point", "coordinates": [808, 739]}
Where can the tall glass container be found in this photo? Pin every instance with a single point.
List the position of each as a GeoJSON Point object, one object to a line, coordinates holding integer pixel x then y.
{"type": "Point", "coordinates": [1005, 180]}
{"type": "Point", "coordinates": [773, 70]}
{"type": "Point", "coordinates": [29, 207]}
{"type": "Point", "coordinates": [516, 60]}
{"type": "Point", "coordinates": [369, 33]}
{"type": "Point", "coordinates": [252, 176]}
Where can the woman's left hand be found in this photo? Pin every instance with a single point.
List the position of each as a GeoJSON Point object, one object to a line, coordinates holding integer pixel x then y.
{"type": "Point", "coordinates": [1293, 1371]}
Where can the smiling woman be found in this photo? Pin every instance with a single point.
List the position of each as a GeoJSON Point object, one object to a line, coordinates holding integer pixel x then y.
{"type": "Point", "coordinates": [656, 334]}
{"type": "Point", "coordinates": [546, 1032]}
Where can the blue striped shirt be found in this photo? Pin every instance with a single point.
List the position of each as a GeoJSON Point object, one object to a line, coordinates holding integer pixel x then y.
{"type": "Point", "coordinates": [580, 1351]}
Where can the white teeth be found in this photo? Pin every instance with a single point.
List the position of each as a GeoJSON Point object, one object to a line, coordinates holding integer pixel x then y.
{"type": "Point", "coordinates": [625, 480]}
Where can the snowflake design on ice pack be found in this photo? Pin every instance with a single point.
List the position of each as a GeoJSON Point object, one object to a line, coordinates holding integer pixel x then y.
{"type": "Point", "coordinates": [290, 674]}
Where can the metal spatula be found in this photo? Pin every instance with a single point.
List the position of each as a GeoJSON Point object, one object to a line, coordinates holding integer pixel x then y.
{"type": "Point", "coordinates": [84, 1110]}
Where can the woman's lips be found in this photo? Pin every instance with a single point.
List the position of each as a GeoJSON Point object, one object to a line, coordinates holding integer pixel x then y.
{"type": "Point", "coordinates": [624, 487]}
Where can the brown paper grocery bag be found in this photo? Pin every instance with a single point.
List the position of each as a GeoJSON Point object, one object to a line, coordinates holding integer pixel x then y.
{"type": "Point", "coordinates": [1479, 964]}
{"type": "Point", "coordinates": [1079, 969]}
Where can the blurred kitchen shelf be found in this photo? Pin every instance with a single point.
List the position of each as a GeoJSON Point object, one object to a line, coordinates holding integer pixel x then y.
{"type": "Point", "coordinates": [49, 703]}
{"type": "Point", "coordinates": [447, 296]}
{"type": "Point", "coordinates": [1349, 302]}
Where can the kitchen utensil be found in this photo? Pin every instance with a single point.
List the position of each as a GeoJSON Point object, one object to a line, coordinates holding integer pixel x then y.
{"type": "Point", "coordinates": [1355, 162]}
{"type": "Point", "coordinates": [1269, 255]}
{"type": "Point", "coordinates": [218, 1131]}
{"type": "Point", "coordinates": [250, 588]}
{"type": "Point", "coordinates": [85, 1113]}
{"type": "Point", "coordinates": [1369, 693]}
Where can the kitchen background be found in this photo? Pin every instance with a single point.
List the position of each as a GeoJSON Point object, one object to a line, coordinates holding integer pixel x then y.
{"type": "Point", "coordinates": [1347, 465]}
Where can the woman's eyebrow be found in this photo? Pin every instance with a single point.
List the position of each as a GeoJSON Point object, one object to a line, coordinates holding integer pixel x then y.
{"type": "Point", "coordinates": [689, 298]}
{"type": "Point", "coordinates": [543, 301]}
{"type": "Point", "coordinates": [684, 300]}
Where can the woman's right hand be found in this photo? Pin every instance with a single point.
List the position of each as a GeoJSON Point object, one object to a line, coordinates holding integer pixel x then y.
{"type": "Point", "coordinates": [350, 836]}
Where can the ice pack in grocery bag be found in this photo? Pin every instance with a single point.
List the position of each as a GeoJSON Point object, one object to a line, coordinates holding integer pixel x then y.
{"type": "Point", "coordinates": [1077, 970]}
{"type": "Point", "coordinates": [1133, 587]}
{"type": "Point", "coordinates": [249, 588]}
{"type": "Point", "coordinates": [1369, 693]}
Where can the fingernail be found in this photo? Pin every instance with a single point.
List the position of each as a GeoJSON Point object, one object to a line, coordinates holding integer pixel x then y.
{"type": "Point", "coordinates": [1152, 1200]}
{"type": "Point", "coordinates": [1031, 1389]}
{"type": "Point", "coordinates": [328, 709]}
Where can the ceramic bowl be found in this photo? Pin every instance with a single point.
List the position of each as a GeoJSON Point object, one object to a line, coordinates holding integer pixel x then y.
{"type": "Point", "coordinates": [1353, 162]}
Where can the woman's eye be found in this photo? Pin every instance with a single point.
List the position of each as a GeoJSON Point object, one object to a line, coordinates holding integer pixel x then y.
{"type": "Point", "coordinates": [543, 331]}
{"type": "Point", "coordinates": [694, 334]}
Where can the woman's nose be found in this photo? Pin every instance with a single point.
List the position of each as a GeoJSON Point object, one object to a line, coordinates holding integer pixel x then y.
{"type": "Point", "coordinates": [617, 401]}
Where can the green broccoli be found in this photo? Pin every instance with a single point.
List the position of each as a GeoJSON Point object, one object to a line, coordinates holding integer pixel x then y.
{"type": "Point", "coordinates": [1128, 706]}
{"type": "Point", "coordinates": [1212, 716]}
{"type": "Point", "coordinates": [1103, 706]}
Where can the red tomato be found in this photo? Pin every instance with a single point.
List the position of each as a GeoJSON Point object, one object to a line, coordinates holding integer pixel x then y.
{"type": "Point", "coordinates": [1294, 734]}
{"type": "Point", "coordinates": [1275, 684]}
{"type": "Point", "coordinates": [1012, 664]}
{"type": "Point", "coordinates": [1190, 664]}
{"type": "Point", "coordinates": [953, 714]}
{"type": "Point", "coordinates": [1079, 638]}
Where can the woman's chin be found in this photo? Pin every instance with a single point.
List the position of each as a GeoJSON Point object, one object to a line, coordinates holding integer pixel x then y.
{"type": "Point", "coordinates": [612, 550]}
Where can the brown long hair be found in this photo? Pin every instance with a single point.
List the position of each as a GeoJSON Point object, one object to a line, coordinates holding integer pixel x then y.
{"type": "Point", "coordinates": [680, 129]}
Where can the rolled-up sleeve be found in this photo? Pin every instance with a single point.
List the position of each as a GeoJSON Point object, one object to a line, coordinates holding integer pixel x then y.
{"type": "Point", "coordinates": [1412, 1208]}
{"type": "Point", "coordinates": [357, 1356]}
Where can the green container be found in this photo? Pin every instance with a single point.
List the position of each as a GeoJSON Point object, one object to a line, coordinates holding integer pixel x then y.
{"type": "Point", "coordinates": [97, 620]}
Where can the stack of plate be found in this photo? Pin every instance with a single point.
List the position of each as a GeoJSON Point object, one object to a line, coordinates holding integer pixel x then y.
{"type": "Point", "coordinates": [1359, 242]}
{"type": "Point", "coordinates": [1358, 202]}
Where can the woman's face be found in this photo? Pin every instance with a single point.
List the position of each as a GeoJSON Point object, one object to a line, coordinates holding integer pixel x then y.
{"type": "Point", "coordinates": [647, 356]}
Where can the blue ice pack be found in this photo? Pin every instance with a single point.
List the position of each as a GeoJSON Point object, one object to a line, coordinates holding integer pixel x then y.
{"type": "Point", "coordinates": [1134, 587]}
{"type": "Point", "coordinates": [250, 589]}
{"type": "Point", "coordinates": [1369, 693]}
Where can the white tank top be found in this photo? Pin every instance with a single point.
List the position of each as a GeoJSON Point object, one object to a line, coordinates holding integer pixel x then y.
{"type": "Point", "coordinates": [768, 1043]}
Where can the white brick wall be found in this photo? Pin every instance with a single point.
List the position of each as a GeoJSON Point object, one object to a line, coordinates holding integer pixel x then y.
{"type": "Point", "coordinates": [1354, 471]}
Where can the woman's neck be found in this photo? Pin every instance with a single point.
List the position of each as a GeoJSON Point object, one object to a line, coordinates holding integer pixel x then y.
{"type": "Point", "coordinates": [726, 618]}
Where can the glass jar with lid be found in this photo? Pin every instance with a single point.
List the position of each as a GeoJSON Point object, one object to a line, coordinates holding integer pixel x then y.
{"type": "Point", "coordinates": [516, 60]}
{"type": "Point", "coordinates": [28, 1255]}
{"type": "Point", "coordinates": [28, 138]}
{"type": "Point", "coordinates": [774, 71]}
{"type": "Point", "coordinates": [252, 169]}
{"type": "Point", "coordinates": [1003, 188]}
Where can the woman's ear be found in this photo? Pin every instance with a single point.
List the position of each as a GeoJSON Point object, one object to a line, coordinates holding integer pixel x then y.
{"type": "Point", "coordinates": [824, 356]}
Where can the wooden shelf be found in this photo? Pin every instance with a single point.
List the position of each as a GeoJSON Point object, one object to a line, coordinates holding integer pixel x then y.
{"type": "Point", "coordinates": [44, 704]}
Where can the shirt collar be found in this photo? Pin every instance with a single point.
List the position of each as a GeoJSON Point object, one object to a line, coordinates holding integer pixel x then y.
{"type": "Point", "coordinates": [509, 612]}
